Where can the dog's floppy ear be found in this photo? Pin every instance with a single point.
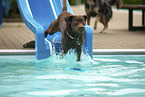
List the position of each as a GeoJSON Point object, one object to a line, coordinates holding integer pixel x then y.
{"type": "Point", "coordinates": [69, 18]}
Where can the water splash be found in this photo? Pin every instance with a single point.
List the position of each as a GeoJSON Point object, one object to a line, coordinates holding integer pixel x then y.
{"type": "Point", "coordinates": [69, 58]}
{"type": "Point", "coordinates": [66, 63]}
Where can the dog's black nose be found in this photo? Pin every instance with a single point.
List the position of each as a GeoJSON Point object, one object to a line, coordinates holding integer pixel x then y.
{"type": "Point", "coordinates": [81, 28]}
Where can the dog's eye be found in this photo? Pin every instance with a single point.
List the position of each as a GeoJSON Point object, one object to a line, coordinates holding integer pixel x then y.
{"type": "Point", "coordinates": [76, 22]}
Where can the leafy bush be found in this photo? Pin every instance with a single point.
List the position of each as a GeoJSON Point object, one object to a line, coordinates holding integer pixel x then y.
{"type": "Point", "coordinates": [14, 7]}
{"type": "Point", "coordinates": [132, 1]}
{"type": "Point", "coordinates": [13, 11]}
{"type": "Point", "coordinates": [73, 2]}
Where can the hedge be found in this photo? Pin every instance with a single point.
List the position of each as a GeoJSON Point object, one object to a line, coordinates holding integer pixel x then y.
{"type": "Point", "coordinates": [132, 1]}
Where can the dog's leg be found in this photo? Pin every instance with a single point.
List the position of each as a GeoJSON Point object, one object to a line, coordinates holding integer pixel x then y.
{"type": "Point", "coordinates": [105, 28]}
{"type": "Point", "coordinates": [96, 22]}
{"type": "Point", "coordinates": [64, 51]}
{"type": "Point", "coordinates": [52, 28]}
{"type": "Point", "coordinates": [103, 21]}
{"type": "Point", "coordinates": [88, 19]}
{"type": "Point", "coordinates": [79, 51]}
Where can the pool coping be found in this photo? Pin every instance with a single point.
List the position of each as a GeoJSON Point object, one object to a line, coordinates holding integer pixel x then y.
{"type": "Point", "coordinates": [119, 51]}
{"type": "Point", "coordinates": [95, 52]}
{"type": "Point", "coordinates": [17, 52]}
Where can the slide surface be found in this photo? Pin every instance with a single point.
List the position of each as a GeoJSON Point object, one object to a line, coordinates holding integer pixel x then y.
{"type": "Point", "coordinates": [38, 15]}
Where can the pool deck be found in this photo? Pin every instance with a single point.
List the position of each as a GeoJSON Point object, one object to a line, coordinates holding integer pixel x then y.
{"type": "Point", "coordinates": [15, 34]}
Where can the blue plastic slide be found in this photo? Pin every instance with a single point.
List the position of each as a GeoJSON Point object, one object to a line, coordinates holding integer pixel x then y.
{"type": "Point", "coordinates": [38, 15]}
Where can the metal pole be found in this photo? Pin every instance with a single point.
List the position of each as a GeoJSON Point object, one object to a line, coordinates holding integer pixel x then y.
{"type": "Point", "coordinates": [143, 14]}
{"type": "Point", "coordinates": [130, 19]}
{"type": "Point", "coordinates": [1, 14]}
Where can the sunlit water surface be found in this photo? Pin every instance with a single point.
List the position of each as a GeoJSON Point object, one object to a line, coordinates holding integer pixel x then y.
{"type": "Point", "coordinates": [104, 76]}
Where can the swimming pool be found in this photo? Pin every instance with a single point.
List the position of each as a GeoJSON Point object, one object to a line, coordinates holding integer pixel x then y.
{"type": "Point", "coordinates": [104, 76]}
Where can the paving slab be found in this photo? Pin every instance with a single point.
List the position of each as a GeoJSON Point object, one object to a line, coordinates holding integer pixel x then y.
{"type": "Point", "coordinates": [15, 34]}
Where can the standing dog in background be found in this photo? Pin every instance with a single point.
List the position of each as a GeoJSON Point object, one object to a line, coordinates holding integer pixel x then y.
{"type": "Point", "coordinates": [101, 9]}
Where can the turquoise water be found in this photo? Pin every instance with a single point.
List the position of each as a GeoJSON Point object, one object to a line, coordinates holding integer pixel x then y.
{"type": "Point", "coordinates": [104, 76]}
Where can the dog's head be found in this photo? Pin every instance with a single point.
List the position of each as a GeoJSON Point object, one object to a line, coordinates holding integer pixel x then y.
{"type": "Point", "coordinates": [92, 7]}
{"type": "Point", "coordinates": [76, 23]}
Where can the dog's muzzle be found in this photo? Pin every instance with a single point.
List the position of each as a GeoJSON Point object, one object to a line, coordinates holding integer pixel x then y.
{"type": "Point", "coordinates": [81, 29]}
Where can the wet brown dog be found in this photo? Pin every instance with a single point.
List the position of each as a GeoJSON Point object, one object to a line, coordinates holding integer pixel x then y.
{"type": "Point", "coordinates": [72, 28]}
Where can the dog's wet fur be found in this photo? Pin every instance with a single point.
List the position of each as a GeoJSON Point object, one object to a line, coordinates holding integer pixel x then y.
{"type": "Point", "coordinates": [72, 28]}
{"type": "Point", "coordinates": [101, 9]}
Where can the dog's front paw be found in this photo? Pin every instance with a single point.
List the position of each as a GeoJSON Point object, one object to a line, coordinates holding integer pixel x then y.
{"type": "Point", "coordinates": [51, 33]}
{"type": "Point", "coordinates": [46, 35]}
{"type": "Point", "coordinates": [78, 59]}
{"type": "Point", "coordinates": [102, 32]}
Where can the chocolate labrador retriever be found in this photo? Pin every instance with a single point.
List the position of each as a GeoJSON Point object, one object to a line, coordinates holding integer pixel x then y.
{"type": "Point", "coordinates": [72, 28]}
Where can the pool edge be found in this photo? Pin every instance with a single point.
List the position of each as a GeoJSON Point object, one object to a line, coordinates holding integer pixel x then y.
{"type": "Point", "coordinates": [95, 52]}
{"type": "Point", "coordinates": [17, 52]}
{"type": "Point", "coordinates": [118, 51]}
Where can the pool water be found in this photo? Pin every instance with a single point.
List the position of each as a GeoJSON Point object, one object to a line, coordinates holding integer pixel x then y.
{"type": "Point", "coordinates": [104, 76]}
